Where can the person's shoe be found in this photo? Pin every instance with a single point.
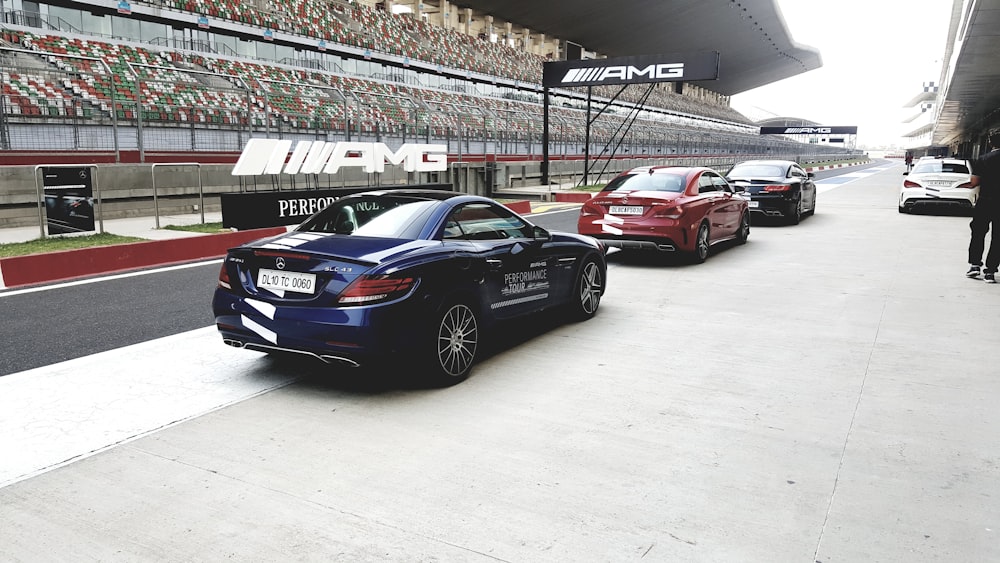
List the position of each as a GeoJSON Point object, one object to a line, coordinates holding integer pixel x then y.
{"type": "Point", "coordinates": [989, 277]}
{"type": "Point", "coordinates": [973, 272]}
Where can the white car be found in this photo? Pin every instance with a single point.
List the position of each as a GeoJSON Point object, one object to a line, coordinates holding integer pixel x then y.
{"type": "Point", "coordinates": [939, 182]}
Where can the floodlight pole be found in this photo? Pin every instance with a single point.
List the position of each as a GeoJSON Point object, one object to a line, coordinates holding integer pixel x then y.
{"type": "Point", "coordinates": [545, 138]}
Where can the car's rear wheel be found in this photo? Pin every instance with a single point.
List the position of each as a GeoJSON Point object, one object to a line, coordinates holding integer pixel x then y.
{"type": "Point", "coordinates": [795, 217]}
{"type": "Point", "coordinates": [455, 342]}
{"type": "Point", "coordinates": [587, 291]}
{"type": "Point", "coordinates": [701, 244]}
{"type": "Point", "coordinates": [744, 232]}
{"type": "Point", "coordinates": [903, 209]}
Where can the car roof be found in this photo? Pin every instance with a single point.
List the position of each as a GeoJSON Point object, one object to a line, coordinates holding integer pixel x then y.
{"type": "Point", "coordinates": [666, 169]}
{"type": "Point", "coordinates": [440, 195]}
{"type": "Point", "coordinates": [776, 161]}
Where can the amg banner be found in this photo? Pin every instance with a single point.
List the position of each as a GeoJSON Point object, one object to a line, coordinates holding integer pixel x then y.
{"type": "Point", "coordinates": [817, 130]}
{"type": "Point", "coordinates": [640, 69]}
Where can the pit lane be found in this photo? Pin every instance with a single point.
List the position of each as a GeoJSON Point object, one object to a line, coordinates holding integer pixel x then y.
{"type": "Point", "coordinates": [818, 394]}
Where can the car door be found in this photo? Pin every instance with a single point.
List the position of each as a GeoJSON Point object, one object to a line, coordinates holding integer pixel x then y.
{"type": "Point", "coordinates": [522, 273]}
{"type": "Point", "coordinates": [808, 186]}
{"type": "Point", "coordinates": [714, 206]}
{"type": "Point", "coordinates": [731, 205]}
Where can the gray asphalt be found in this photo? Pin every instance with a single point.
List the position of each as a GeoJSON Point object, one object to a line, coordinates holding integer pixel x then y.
{"type": "Point", "coordinates": [826, 392]}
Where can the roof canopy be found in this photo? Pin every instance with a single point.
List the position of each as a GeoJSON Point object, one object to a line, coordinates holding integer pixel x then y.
{"type": "Point", "coordinates": [750, 35]}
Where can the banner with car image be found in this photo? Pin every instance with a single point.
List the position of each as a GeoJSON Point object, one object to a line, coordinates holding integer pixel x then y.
{"type": "Point", "coordinates": [69, 200]}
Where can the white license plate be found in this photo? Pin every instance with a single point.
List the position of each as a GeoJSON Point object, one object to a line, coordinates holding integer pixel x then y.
{"type": "Point", "coordinates": [939, 183]}
{"type": "Point", "coordinates": [753, 204]}
{"type": "Point", "coordinates": [626, 210]}
{"type": "Point", "coordinates": [295, 282]}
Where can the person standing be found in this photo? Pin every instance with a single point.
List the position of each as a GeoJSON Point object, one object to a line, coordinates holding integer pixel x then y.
{"type": "Point", "coordinates": [986, 214]}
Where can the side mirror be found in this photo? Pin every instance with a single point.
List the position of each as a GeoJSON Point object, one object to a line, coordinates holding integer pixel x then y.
{"type": "Point", "coordinates": [541, 235]}
{"type": "Point", "coordinates": [811, 174]}
{"type": "Point", "coordinates": [739, 189]}
{"type": "Point", "coordinates": [905, 173]}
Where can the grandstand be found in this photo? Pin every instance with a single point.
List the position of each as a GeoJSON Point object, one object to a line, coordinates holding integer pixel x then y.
{"type": "Point", "coordinates": [203, 76]}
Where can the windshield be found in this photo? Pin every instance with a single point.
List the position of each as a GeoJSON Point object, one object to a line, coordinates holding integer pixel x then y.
{"type": "Point", "coordinates": [757, 171]}
{"type": "Point", "coordinates": [657, 182]}
{"type": "Point", "coordinates": [372, 216]}
{"type": "Point", "coordinates": [938, 167]}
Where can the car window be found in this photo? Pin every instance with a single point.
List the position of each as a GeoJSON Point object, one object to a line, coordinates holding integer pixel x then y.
{"type": "Point", "coordinates": [757, 171]}
{"type": "Point", "coordinates": [705, 184]}
{"type": "Point", "coordinates": [720, 183]}
{"type": "Point", "coordinates": [375, 216]}
{"type": "Point", "coordinates": [938, 167]}
{"type": "Point", "coordinates": [655, 182]}
{"type": "Point", "coordinates": [796, 172]}
{"type": "Point", "coordinates": [484, 221]}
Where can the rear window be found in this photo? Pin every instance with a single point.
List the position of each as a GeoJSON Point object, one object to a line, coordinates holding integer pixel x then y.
{"type": "Point", "coordinates": [757, 171]}
{"type": "Point", "coordinates": [656, 182]}
{"type": "Point", "coordinates": [372, 216]}
{"type": "Point", "coordinates": [938, 166]}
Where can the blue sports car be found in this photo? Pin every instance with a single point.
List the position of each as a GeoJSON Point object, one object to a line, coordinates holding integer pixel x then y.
{"type": "Point", "coordinates": [418, 272]}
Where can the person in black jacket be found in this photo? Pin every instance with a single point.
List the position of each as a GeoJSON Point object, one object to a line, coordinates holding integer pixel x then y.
{"type": "Point", "coordinates": [986, 173]}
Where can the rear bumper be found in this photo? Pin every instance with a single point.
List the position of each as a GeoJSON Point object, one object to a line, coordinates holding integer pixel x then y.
{"type": "Point", "coordinates": [917, 197]}
{"type": "Point", "coordinates": [774, 206]}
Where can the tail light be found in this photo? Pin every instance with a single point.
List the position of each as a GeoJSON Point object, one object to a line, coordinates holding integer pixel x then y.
{"type": "Point", "coordinates": [909, 184]}
{"type": "Point", "coordinates": [966, 185]}
{"type": "Point", "coordinates": [368, 290]}
{"type": "Point", "coordinates": [589, 209]}
{"type": "Point", "coordinates": [224, 277]}
{"type": "Point", "coordinates": [778, 188]}
{"type": "Point", "coordinates": [669, 211]}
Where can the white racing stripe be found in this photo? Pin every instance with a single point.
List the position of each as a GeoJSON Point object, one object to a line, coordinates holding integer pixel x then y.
{"type": "Point", "coordinates": [57, 414]}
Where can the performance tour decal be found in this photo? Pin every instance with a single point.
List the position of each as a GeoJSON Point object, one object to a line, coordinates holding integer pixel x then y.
{"type": "Point", "coordinates": [516, 283]}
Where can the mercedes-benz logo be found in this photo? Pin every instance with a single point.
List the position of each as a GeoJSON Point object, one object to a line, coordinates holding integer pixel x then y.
{"type": "Point", "coordinates": [280, 263]}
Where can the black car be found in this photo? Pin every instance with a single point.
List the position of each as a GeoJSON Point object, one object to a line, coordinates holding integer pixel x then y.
{"type": "Point", "coordinates": [417, 272]}
{"type": "Point", "coordinates": [776, 188]}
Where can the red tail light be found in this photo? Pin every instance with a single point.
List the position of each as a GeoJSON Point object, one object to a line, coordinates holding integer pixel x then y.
{"type": "Point", "coordinates": [777, 188]}
{"type": "Point", "coordinates": [589, 209]}
{"type": "Point", "coordinates": [966, 185]}
{"type": "Point", "coordinates": [669, 211]}
{"type": "Point", "coordinates": [224, 278]}
{"type": "Point", "coordinates": [909, 184]}
{"type": "Point", "coordinates": [367, 290]}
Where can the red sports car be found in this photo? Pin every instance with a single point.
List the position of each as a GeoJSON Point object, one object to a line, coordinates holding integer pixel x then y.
{"type": "Point", "coordinates": [667, 208]}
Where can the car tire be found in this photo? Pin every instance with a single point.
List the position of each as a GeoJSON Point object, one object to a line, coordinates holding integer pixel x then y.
{"type": "Point", "coordinates": [454, 341]}
{"type": "Point", "coordinates": [744, 232]}
{"type": "Point", "coordinates": [701, 244]}
{"type": "Point", "coordinates": [902, 209]}
{"type": "Point", "coordinates": [587, 290]}
{"type": "Point", "coordinates": [795, 217]}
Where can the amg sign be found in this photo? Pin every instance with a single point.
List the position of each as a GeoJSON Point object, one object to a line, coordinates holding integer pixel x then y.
{"type": "Point", "coordinates": [632, 70]}
{"type": "Point", "coordinates": [666, 72]}
{"type": "Point", "coordinates": [269, 156]}
{"type": "Point", "coordinates": [817, 130]}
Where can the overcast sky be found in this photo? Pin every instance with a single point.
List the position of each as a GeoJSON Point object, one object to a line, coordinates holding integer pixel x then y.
{"type": "Point", "coordinates": [876, 56]}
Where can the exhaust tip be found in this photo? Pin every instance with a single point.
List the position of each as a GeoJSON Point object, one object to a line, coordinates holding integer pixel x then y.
{"type": "Point", "coordinates": [233, 343]}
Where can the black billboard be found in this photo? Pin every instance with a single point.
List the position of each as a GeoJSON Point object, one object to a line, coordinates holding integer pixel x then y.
{"type": "Point", "coordinates": [69, 200]}
{"type": "Point", "coordinates": [685, 67]}
{"type": "Point", "coordinates": [254, 210]}
{"type": "Point", "coordinates": [814, 130]}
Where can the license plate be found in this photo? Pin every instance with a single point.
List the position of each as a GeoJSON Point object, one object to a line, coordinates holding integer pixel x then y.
{"type": "Point", "coordinates": [626, 210]}
{"type": "Point", "coordinates": [939, 183]}
{"type": "Point", "coordinates": [753, 204]}
{"type": "Point", "coordinates": [295, 282]}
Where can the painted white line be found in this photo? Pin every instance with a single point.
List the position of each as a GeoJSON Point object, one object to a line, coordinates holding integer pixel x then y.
{"type": "Point", "coordinates": [2, 286]}
{"type": "Point", "coordinates": [57, 414]}
{"type": "Point", "coordinates": [108, 278]}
